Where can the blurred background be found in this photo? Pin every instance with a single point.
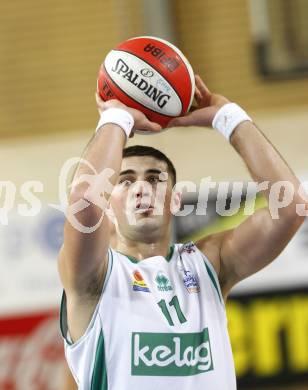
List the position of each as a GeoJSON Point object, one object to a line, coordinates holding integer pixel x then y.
{"type": "Point", "coordinates": [254, 52]}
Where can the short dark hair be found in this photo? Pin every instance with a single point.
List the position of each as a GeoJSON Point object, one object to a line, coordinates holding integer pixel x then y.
{"type": "Point", "coordinates": [141, 150]}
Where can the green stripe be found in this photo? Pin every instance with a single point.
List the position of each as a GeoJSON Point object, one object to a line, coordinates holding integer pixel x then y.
{"type": "Point", "coordinates": [170, 253]}
{"type": "Point", "coordinates": [212, 277]}
{"type": "Point", "coordinates": [99, 377]}
{"type": "Point", "coordinates": [109, 269]}
{"type": "Point", "coordinates": [63, 319]}
{"type": "Point", "coordinates": [63, 309]}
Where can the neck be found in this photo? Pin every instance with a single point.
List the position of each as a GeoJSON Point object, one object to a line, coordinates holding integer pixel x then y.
{"type": "Point", "coordinates": [141, 250]}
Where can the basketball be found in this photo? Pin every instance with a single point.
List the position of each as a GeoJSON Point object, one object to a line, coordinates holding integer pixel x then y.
{"type": "Point", "coordinates": [149, 74]}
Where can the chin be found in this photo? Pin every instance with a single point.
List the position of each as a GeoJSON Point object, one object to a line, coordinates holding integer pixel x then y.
{"type": "Point", "coordinates": [147, 225]}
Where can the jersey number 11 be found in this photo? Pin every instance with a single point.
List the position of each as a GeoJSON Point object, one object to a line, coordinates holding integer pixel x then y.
{"type": "Point", "coordinates": [175, 303]}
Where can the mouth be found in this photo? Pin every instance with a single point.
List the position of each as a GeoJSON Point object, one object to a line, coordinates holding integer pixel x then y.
{"type": "Point", "coordinates": [143, 208]}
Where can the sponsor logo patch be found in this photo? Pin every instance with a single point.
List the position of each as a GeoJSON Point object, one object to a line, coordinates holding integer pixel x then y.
{"type": "Point", "coordinates": [171, 354]}
{"type": "Point", "coordinates": [191, 282]}
{"type": "Point", "coordinates": [162, 282]}
{"type": "Point", "coordinates": [138, 282]}
{"type": "Point", "coordinates": [188, 248]}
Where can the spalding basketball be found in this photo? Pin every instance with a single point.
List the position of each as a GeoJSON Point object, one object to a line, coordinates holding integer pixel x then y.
{"type": "Point", "coordinates": [149, 74]}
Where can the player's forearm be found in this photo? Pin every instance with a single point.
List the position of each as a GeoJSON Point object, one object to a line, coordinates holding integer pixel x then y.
{"type": "Point", "coordinates": [264, 162]}
{"type": "Point", "coordinates": [104, 152]}
{"type": "Point", "coordinates": [99, 170]}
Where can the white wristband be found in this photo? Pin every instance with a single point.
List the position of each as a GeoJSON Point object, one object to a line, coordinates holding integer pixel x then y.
{"type": "Point", "coordinates": [228, 117]}
{"type": "Point", "coordinates": [119, 117]}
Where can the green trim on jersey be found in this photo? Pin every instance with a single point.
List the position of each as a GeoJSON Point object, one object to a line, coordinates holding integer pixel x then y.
{"type": "Point", "coordinates": [213, 279]}
{"type": "Point", "coordinates": [63, 310]}
{"type": "Point", "coordinates": [170, 253]}
{"type": "Point", "coordinates": [99, 379]}
{"type": "Point", "coordinates": [63, 319]}
{"type": "Point", "coordinates": [168, 257]}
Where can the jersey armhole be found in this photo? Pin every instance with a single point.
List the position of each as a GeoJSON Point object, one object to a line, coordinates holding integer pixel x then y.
{"type": "Point", "coordinates": [63, 310]}
{"type": "Point", "coordinates": [213, 277]}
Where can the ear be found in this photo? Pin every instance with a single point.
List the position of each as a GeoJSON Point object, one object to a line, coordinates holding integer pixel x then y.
{"type": "Point", "coordinates": [176, 200]}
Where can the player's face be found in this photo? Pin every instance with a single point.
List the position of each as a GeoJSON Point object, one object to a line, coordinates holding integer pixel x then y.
{"type": "Point", "coordinates": [141, 200]}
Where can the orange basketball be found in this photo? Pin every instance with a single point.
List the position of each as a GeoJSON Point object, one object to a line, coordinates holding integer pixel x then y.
{"type": "Point", "coordinates": [149, 74]}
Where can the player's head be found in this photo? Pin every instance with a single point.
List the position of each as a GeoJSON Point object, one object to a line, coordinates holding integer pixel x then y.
{"type": "Point", "coordinates": [143, 199]}
{"type": "Point", "coordinates": [148, 151]}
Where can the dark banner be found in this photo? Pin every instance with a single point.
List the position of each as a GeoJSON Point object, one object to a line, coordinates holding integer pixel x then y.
{"type": "Point", "coordinates": [269, 336]}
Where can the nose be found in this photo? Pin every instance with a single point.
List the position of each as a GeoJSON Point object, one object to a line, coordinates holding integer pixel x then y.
{"type": "Point", "coordinates": [141, 189]}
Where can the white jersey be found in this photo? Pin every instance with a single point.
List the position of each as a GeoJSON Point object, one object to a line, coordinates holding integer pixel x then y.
{"type": "Point", "coordinates": [159, 324]}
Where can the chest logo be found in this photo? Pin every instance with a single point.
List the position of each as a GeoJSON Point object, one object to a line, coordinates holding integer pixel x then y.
{"type": "Point", "coordinates": [171, 354]}
{"type": "Point", "coordinates": [189, 248]}
{"type": "Point", "coordinates": [162, 282]}
{"type": "Point", "coordinates": [138, 282]}
{"type": "Point", "coordinates": [191, 282]}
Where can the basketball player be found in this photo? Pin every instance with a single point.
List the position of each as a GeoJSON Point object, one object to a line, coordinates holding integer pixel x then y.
{"type": "Point", "coordinates": [145, 314]}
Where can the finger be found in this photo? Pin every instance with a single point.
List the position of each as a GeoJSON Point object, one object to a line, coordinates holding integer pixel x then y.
{"type": "Point", "coordinates": [199, 100]}
{"type": "Point", "coordinates": [176, 122]}
{"type": "Point", "coordinates": [98, 98]}
{"type": "Point", "coordinates": [113, 103]}
{"type": "Point", "coordinates": [204, 98]}
{"type": "Point", "coordinates": [193, 108]}
{"type": "Point", "coordinates": [154, 126]}
{"type": "Point", "coordinates": [196, 118]}
{"type": "Point", "coordinates": [151, 126]}
{"type": "Point", "coordinates": [201, 86]}
{"type": "Point", "coordinates": [198, 95]}
{"type": "Point", "coordinates": [100, 104]}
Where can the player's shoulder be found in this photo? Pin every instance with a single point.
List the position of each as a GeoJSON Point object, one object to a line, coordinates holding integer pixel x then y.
{"type": "Point", "coordinates": [212, 240]}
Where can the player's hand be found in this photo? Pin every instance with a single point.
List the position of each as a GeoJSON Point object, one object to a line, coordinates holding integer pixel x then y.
{"type": "Point", "coordinates": [141, 121]}
{"type": "Point", "coordinates": [208, 104]}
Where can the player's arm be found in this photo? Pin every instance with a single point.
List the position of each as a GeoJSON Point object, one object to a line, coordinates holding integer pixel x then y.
{"type": "Point", "coordinates": [261, 237]}
{"type": "Point", "coordinates": [252, 245]}
{"type": "Point", "coordinates": [240, 252]}
{"type": "Point", "coordinates": [83, 256]}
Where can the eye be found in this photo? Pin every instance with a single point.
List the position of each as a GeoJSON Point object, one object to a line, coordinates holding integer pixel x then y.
{"type": "Point", "coordinates": [125, 182]}
{"type": "Point", "coordinates": [153, 179]}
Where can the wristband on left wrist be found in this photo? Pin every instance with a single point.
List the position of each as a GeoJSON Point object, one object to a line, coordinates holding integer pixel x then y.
{"type": "Point", "coordinates": [228, 117]}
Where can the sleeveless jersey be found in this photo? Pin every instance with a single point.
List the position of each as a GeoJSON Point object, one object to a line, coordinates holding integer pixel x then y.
{"type": "Point", "coordinates": [159, 324]}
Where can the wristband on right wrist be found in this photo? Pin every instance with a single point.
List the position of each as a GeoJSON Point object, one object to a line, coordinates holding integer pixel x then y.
{"type": "Point", "coordinates": [119, 117]}
{"type": "Point", "coordinates": [228, 117]}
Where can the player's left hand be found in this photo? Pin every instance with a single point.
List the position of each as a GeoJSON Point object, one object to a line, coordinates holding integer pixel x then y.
{"type": "Point", "coordinates": [208, 104]}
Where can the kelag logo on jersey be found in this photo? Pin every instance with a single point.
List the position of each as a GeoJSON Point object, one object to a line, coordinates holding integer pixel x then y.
{"type": "Point", "coordinates": [171, 354]}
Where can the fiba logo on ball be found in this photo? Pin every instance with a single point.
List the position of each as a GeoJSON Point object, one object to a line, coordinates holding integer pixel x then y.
{"type": "Point", "coordinates": [149, 74]}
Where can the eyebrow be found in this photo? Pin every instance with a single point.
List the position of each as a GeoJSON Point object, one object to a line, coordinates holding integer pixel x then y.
{"type": "Point", "coordinates": [132, 172]}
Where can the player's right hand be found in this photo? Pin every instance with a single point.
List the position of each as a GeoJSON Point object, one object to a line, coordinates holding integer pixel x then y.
{"type": "Point", "coordinates": [141, 121]}
{"type": "Point", "coordinates": [208, 105]}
